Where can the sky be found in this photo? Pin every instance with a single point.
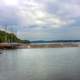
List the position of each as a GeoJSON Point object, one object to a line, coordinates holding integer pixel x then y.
{"type": "Point", "coordinates": [41, 19]}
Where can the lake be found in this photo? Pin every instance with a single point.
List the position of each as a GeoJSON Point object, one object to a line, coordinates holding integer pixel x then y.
{"type": "Point", "coordinates": [56, 43]}
{"type": "Point", "coordinates": [40, 64]}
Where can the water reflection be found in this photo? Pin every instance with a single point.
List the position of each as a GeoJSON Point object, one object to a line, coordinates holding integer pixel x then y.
{"type": "Point", "coordinates": [40, 64]}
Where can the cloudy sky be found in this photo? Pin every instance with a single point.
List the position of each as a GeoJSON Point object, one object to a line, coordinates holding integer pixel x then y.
{"type": "Point", "coordinates": [41, 19]}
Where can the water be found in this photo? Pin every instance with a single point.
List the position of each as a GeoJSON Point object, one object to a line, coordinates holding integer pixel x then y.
{"type": "Point", "coordinates": [46, 43]}
{"type": "Point", "coordinates": [40, 64]}
{"type": "Point", "coordinates": [76, 43]}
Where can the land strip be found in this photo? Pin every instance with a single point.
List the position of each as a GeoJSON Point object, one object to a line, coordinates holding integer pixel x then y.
{"type": "Point", "coordinates": [20, 45]}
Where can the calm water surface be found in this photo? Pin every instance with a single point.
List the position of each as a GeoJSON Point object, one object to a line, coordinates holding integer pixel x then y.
{"type": "Point", "coordinates": [40, 64]}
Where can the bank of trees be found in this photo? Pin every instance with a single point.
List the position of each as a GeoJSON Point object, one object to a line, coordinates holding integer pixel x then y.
{"type": "Point", "coordinates": [10, 37]}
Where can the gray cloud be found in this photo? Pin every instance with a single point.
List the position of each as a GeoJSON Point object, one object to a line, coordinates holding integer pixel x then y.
{"type": "Point", "coordinates": [42, 19]}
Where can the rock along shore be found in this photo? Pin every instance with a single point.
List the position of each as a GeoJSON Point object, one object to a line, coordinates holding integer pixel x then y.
{"type": "Point", "coordinates": [20, 46]}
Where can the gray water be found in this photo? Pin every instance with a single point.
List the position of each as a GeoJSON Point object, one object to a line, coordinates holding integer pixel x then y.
{"type": "Point", "coordinates": [40, 64]}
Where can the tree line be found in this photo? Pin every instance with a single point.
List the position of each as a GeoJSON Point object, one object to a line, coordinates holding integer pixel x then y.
{"type": "Point", "coordinates": [10, 38]}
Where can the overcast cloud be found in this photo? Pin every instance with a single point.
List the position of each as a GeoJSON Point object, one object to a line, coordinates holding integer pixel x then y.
{"type": "Point", "coordinates": [41, 19]}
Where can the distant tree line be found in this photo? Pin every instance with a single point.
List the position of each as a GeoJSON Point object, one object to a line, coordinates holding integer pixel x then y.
{"type": "Point", "coordinates": [55, 41]}
{"type": "Point", "coordinates": [10, 37]}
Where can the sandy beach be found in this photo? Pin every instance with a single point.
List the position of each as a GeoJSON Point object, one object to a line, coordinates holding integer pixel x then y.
{"type": "Point", "coordinates": [19, 45]}
{"type": "Point", "coordinates": [50, 46]}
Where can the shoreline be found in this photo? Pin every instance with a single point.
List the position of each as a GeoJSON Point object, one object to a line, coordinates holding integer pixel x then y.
{"type": "Point", "coordinates": [21, 46]}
